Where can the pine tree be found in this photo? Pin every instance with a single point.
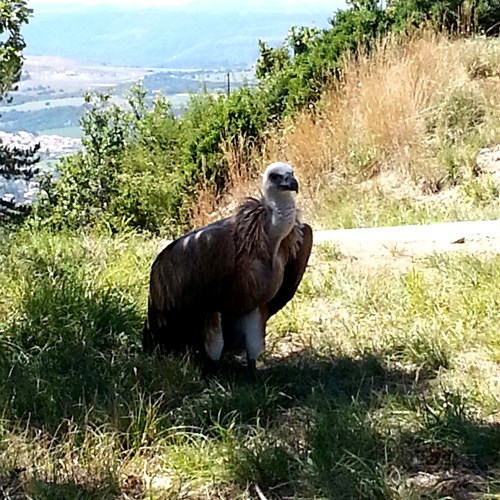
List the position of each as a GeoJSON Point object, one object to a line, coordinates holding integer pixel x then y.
{"type": "Point", "coordinates": [15, 163]}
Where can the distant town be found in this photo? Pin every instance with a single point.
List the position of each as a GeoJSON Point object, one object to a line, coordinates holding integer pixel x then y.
{"type": "Point", "coordinates": [52, 147]}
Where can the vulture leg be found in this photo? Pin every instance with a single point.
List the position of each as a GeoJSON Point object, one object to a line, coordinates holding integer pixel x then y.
{"type": "Point", "coordinates": [253, 327]}
{"type": "Point", "coordinates": [148, 340]}
{"type": "Point", "coordinates": [213, 339]}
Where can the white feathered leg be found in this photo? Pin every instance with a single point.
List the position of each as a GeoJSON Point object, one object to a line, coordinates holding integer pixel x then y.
{"type": "Point", "coordinates": [214, 341]}
{"type": "Point", "coordinates": [252, 326]}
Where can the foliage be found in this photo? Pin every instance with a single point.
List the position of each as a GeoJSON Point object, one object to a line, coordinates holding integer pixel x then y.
{"type": "Point", "coordinates": [126, 174]}
{"type": "Point", "coordinates": [454, 16]}
{"type": "Point", "coordinates": [290, 82]}
{"type": "Point", "coordinates": [443, 14]}
{"type": "Point", "coordinates": [212, 121]}
{"type": "Point", "coordinates": [140, 166]}
{"type": "Point", "coordinates": [487, 16]}
{"type": "Point", "coordinates": [270, 60]}
{"type": "Point", "coordinates": [13, 14]}
{"type": "Point", "coordinates": [317, 56]}
{"type": "Point", "coordinates": [14, 162]}
{"type": "Point", "coordinates": [143, 168]}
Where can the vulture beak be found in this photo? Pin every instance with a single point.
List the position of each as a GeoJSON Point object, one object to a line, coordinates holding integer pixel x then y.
{"type": "Point", "coordinates": [289, 183]}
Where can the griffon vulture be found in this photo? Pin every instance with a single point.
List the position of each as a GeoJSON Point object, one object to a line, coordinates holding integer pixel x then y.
{"type": "Point", "coordinates": [215, 288]}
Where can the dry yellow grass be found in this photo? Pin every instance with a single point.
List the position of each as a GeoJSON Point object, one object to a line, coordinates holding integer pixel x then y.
{"type": "Point", "coordinates": [381, 115]}
{"type": "Point", "coordinates": [419, 108]}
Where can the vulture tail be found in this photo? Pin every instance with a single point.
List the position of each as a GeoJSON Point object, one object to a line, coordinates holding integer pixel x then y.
{"type": "Point", "coordinates": [160, 332]}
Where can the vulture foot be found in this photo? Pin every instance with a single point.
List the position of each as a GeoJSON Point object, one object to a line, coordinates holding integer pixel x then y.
{"type": "Point", "coordinates": [252, 369]}
{"type": "Point", "coordinates": [210, 368]}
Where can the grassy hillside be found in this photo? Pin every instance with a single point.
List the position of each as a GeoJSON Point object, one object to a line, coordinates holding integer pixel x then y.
{"type": "Point", "coordinates": [396, 141]}
{"type": "Point", "coordinates": [375, 383]}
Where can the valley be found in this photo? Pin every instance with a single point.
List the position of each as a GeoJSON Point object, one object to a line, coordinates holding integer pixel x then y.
{"type": "Point", "coordinates": [105, 48]}
{"type": "Point", "coordinates": [50, 98]}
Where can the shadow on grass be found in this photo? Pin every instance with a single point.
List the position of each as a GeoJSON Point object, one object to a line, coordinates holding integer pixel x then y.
{"type": "Point", "coordinates": [298, 380]}
{"type": "Point", "coordinates": [65, 351]}
{"type": "Point", "coordinates": [337, 427]}
{"type": "Point", "coordinates": [43, 490]}
{"type": "Point", "coordinates": [60, 490]}
{"type": "Point", "coordinates": [310, 425]}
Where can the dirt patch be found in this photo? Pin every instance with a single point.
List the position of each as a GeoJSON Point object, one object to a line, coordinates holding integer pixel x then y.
{"type": "Point", "coordinates": [401, 246]}
{"type": "Point", "coordinates": [488, 161]}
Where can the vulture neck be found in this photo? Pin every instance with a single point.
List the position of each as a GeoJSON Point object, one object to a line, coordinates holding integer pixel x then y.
{"type": "Point", "coordinates": [283, 214]}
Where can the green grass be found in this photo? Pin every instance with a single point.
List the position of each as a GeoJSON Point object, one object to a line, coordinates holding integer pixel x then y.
{"type": "Point", "coordinates": [351, 206]}
{"type": "Point", "coordinates": [373, 385]}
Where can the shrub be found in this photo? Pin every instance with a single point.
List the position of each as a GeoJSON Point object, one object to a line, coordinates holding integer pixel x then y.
{"type": "Point", "coordinates": [213, 120]}
{"type": "Point", "coordinates": [128, 172]}
{"type": "Point", "coordinates": [140, 166]}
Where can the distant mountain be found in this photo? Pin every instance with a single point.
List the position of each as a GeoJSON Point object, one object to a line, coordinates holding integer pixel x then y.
{"type": "Point", "coordinates": [161, 37]}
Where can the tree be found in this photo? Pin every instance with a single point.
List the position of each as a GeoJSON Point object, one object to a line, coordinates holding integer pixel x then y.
{"type": "Point", "coordinates": [14, 162]}
{"type": "Point", "coordinates": [271, 60]}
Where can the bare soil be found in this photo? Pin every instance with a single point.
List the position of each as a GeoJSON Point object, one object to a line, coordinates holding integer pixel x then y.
{"type": "Point", "coordinates": [403, 245]}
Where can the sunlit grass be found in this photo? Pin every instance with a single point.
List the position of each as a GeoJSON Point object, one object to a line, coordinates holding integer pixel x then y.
{"type": "Point", "coordinates": [352, 206]}
{"type": "Point", "coordinates": [372, 380]}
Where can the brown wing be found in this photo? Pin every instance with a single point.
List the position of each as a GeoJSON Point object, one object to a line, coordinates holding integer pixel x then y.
{"type": "Point", "coordinates": [187, 280]}
{"type": "Point", "coordinates": [193, 268]}
{"type": "Point", "coordinates": [294, 270]}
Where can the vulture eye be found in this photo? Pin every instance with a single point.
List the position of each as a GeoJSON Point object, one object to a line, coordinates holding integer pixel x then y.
{"type": "Point", "coordinates": [274, 177]}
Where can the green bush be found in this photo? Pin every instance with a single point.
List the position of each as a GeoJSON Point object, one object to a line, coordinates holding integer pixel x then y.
{"type": "Point", "coordinates": [140, 166]}
{"type": "Point", "coordinates": [211, 121]}
{"type": "Point", "coordinates": [128, 173]}
{"type": "Point", "coordinates": [287, 84]}
{"type": "Point", "coordinates": [453, 16]}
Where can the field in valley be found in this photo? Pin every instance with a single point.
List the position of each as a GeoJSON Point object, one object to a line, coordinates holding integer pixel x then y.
{"type": "Point", "coordinates": [50, 94]}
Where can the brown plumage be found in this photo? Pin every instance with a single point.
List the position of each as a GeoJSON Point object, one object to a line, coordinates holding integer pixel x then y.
{"type": "Point", "coordinates": [217, 286]}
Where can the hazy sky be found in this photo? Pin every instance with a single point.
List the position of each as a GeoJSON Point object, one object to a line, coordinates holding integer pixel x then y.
{"type": "Point", "coordinates": [207, 4]}
{"type": "Point", "coordinates": [155, 3]}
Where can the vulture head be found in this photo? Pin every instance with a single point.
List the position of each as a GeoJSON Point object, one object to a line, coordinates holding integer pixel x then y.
{"type": "Point", "coordinates": [278, 182]}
